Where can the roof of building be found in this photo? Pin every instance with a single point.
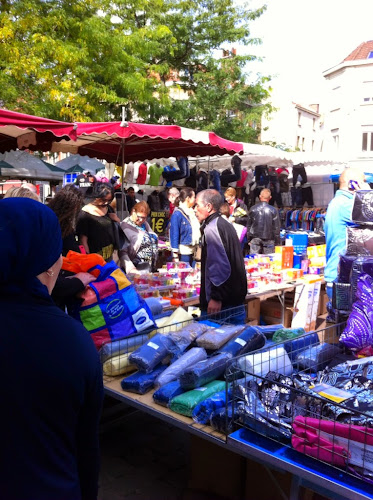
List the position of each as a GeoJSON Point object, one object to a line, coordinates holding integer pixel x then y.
{"type": "Point", "coordinates": [361, 52]}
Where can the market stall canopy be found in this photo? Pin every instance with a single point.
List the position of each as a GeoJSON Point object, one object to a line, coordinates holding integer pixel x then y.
{"type": "Point", "coordinates": [52, 167]}
{"type": "Point", "coordinates": [126, 141]}
{"type": "Point", "coordinates": [5, 165]}
{"type": "Point", "coordinates": [20, 131]}
{"type": "Point", "coordinates": [26, 165]}
{"type": "Point", "coordinates": [78, 163]}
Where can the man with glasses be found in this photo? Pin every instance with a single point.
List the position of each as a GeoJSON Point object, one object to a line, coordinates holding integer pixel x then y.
{"type": "Point", "coordinates": [223, 275]}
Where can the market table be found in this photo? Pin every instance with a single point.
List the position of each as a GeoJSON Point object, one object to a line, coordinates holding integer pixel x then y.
{"type": "Point", "coordinates": [306, 471]}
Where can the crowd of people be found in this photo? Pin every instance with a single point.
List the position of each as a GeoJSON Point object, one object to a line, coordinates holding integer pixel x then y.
{"type": "Point", "coordinates": [54, 399]}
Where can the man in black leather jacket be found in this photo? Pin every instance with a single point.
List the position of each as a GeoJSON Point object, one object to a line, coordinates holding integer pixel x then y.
{"type": "Point", "coordinates": [263, 226]}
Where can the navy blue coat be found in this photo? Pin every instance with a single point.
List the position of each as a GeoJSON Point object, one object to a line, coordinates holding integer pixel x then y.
{"type": "Point", "coordinates": [51, 393]}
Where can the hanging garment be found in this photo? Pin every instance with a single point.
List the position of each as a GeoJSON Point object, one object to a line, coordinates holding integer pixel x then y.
{"type": "Point", "coordinates": [307, 196]}
{"type": "Point", "coordinates": [183, 171]}
{"type": "Point", "coordinates": [143, 173]}
{"type": "Point", "coordinates": [299, 170]}
{"type": "Point", "coordinates": [155, 172]}
{"type": "Point", "coordinates": [168, 168]}
{"type": "Point", "coordinates": [202, 181]}
{"type": "Point", "coordinates": [261, 175]}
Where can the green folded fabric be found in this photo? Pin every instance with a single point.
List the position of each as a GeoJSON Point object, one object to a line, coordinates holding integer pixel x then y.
{"type": "Point", "coordinates": [185, 403]}
{"type": "Point", "coordinates": [287, 334]}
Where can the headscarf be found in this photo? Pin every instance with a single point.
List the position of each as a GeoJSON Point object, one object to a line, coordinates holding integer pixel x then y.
{"type": "Point", "coordinates": [30, 243]}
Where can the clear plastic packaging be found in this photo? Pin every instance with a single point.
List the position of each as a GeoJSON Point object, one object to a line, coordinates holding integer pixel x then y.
{"type": "Point", "coordinates": [203, 411]}
{"type": "Point", "coordinates": [217, 337]}
{"type": "Point", "coordinates": [316, 357]}
{"type": "Point", "coordinates": [118, 365]}
{"type": "Point", "coordinates": [185, 403]}
{"type": "Point", "coordinates": [188, 334]}
{"type": "Point", "coordinates": [164, 394]}
{"type": "Point", "coordinates": [149, 355]}
{"type": "Point", "coordinates": [250, 339]}
{"type": "Point", "coordinates": [123, 346]}
{"type": "Point", "coordinates": [173, 371]}
{"type": "Point", "coordinates": [141, 382]}
{"type": "Point", "coordinates": [205, 371]}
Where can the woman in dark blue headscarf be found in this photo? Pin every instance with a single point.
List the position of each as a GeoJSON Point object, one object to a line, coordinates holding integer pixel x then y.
{"type": "Point", "coordinates": [50, 375]}
{"type": "Point", "coordinates": [30, 249]}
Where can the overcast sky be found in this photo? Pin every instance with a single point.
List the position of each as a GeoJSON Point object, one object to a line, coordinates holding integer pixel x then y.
{"type": "Point", "coordinates": [303, 38]}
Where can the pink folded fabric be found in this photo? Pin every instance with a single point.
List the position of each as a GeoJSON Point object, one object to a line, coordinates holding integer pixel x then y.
{"type": "Point", "coordinates": [306, 439]}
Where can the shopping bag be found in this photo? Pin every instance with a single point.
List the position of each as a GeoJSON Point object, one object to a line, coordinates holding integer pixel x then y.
{"type": "Point", "coordinates": [111, 307]}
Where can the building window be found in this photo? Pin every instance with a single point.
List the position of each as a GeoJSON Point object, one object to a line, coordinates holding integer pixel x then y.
{"type": "Point", "coordinates": [299, 118]}
{"type": "Point", "coordinates": [370, 55]}
{"type": "Point", "coordinates": [298, 139]}
{"type": "Point", "coordinates": [313, 144]}
{"type": "Point", "coordinates": [302, 143]}
{"type": "Point", "coordinates": [367, 142]}
{"type": "Point", "coordinates": [314, 123]}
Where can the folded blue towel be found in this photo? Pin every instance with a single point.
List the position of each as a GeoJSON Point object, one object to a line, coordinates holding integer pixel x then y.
{"type": "Point", "coordinates": [119, 347]}
{"type": "Point", "coordinates": [164, 394]}
{"type": "Point", "coordinates": [141, 382]}
{"type": "Point", "coordinates": [248, 340]}
{"type": "Point", "coordinates": [149, 355]}
{"type": "Point", "coordinates": [298, 344]}
{"type": "Point", "coordinates": [188, 359]}
{"type": "Point", "coordinates": [205, 371]}
{"type": "Point", "coordinates": [269, 330]}
{"type": "Point", "coordinates": [203, 411]}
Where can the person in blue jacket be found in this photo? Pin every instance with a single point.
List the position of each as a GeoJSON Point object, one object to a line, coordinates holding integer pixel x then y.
{"type": "Point", "coordinates": [338, 217]}
{"type": "Point", "coordinates": [50, 373]}
{"type": "Point", "coordinates": [184, 227]}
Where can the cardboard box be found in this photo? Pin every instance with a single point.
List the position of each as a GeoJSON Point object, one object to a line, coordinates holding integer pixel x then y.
{"type": "Point", "coordinates": [253, 310]}
{"type": "Point", "coordinates": [323, 300]}
{"type": "Point", "coordinates": [271, 312]}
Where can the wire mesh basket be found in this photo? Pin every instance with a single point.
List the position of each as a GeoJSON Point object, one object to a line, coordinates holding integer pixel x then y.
{"type": "Point", "coordinates": [310, 394]}
{"type": "Point", "coordinates": [115, 355]}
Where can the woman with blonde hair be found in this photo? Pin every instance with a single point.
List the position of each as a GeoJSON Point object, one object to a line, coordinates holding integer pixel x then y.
{"type": "Point", "coordinates": [142, 251]}
{"type": "Point", "coordinates": [237, 208]}
{"type": "Point", "coordinates": [21, 192]}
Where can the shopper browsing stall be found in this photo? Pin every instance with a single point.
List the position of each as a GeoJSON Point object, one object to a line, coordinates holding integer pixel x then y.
{"type": "Point", "coordinates": [95, 226]}
{"type": "Point", "coordinates": [223, 275]}
{"type": "Point", "coordinates": [142, 250]}
{"type": "Point", "coordinates": [237, 208]}
{"type": "Point", "coordinates": [66, 205]}
{"type": "Point", "coordinates": [51, 376]}
{"type": "Point", "coordinates": [263, 226]}
{"type": "Point", "coordinates": [338, 217]}
{"type": "Point", "coordinates": [184, 227]}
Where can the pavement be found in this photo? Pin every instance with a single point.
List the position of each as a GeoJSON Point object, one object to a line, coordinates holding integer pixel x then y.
{"type": "Point", "coordinates": [145, 458]}
{"type": "Point", "coordinates": [142, 457]}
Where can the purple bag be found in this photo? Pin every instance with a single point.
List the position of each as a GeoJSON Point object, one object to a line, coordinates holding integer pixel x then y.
{"type": "Point", "coordinates": [359, 329]}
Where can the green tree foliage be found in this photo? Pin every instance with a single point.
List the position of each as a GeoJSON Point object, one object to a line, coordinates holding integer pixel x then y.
{"type": "Point", "coordinates": [84, 60]}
